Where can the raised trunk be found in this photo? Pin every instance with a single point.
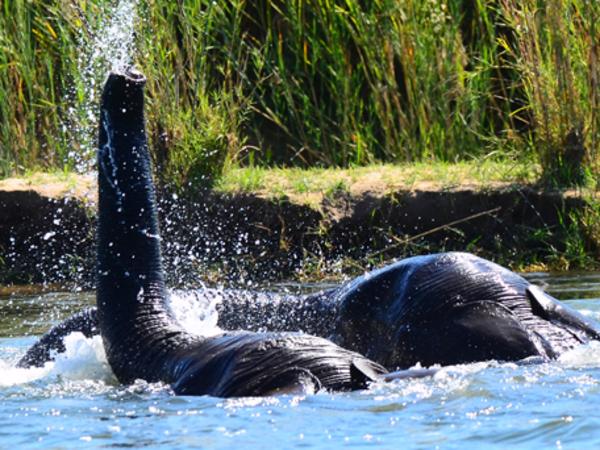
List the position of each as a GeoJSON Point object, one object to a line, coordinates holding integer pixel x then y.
{"type": "Point", "coordinates": [141, 338]}
{"type": "Point", "coordinates": [130, 287]}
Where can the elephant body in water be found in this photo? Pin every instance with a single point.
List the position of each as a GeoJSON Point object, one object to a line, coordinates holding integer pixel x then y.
{"type": "Point", "coordinates": [446, 308]}
{"type": "Point", "coordinates": [437, 309]}
{"type": "Point", "coordinates": [141, 336]}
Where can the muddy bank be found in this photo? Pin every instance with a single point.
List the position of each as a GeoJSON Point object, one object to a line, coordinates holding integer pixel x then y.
{"type": "Point", "coordinates": [237, 238]}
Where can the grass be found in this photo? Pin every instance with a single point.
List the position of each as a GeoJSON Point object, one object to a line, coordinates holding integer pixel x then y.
{"type": "Point", "coordinates": [285, 83]}
{"type": "Point", "coordinates": [311, 185]}
{"type": "Point", "coordinates": [55, 184]}
{"type": "Point", "coordinates": [313, 100]}
{"type": "Point", "coordinates": [303, 184]}
{"type": "Point", "coordinates": [39, 80]}
{"type": "Point", "coordinates": [557, 52]}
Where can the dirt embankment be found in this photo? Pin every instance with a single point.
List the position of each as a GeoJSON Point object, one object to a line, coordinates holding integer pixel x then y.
{"type": "Point", "coordinates": [47, 234]}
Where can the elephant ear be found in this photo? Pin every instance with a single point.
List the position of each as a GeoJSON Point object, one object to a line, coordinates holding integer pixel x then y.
{"type": "Point", "coordinates": [474, 331]}
{"type": "Point", "coordinates": [548, 308]}
{"type": "Point", "coordinates": [490, 328]}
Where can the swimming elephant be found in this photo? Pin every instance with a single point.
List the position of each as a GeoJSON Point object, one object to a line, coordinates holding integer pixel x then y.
{"type": "Point", "coordinates": [141, 337]}
{"type": "Point", "coordinates": [452, 308]}
{"type": "Point", "coordinates": [443, 308]}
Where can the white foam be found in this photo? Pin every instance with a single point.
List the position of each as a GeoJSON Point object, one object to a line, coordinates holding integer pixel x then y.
{"type": "Point", "coordinates": [197, 311]}
{"type": "Point", "coordinates": [593, 314]}
{"type": "Point", "coordinates": [84, 359]}
{"type": "Point", "coordinates": [11, 376]}
{"type": "Point", "coordinates": [585, 355]}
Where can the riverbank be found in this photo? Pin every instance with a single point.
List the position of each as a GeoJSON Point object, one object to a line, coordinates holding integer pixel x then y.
{"type": "Point", "coordinates": [259, 225]}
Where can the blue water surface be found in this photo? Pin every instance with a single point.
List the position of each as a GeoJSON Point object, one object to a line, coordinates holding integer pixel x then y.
{"type": "Point", "coordinates": [77, 404]}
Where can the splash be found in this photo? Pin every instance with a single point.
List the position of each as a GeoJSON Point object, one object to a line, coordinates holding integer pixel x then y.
{"type": "Point", "coordinates": [84, 359]}
{"type": "Point", "coordinates": [197, 311]}
{"type": "Point", "coordinates": [115, 43]}
{"type": "Point", "coordinates": [583, 356]}
{"type": "Point", "coordinates": [108, 46]}
{"type": "Point", "coordinates": [11, 376]}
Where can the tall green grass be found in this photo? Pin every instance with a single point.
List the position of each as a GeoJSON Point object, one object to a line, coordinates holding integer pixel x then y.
{"type": "Point", "coordinates": [324, 82]}
{"type": "Point", "coordinates": [195, 122]}
{"type": "Point", "coordinates": [38, 72]}
{"type": "Point", "coordinates": [557, 51]}
{"type": "Point", "coordinates": [334, 83]}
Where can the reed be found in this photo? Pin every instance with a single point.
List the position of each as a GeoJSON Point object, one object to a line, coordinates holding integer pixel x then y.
{"type": "Point", "coordinates": [321, 83]}
{"type": "Point", "coordinates": [557, 53]}
{"type": "Point", "coordinates": [39, 79]}
{"type": "Point", "coordinates": [194, 122]}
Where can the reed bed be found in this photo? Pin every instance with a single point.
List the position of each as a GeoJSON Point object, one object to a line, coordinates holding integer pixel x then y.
{"type": "Point", "coordinates": [41, 88]}
{"type": "Point", "coordinates": [320, 83]}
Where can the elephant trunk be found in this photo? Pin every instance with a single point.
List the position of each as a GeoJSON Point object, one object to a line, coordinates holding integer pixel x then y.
{"type": "Point", "coordinates": [135, 323]}
{"type": "Point", "coordinates": [141, 337]}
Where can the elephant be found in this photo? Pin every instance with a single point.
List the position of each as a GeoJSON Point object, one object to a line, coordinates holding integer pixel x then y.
{"type": "Point", "coordinates": [141, 337]}
{"type": "Point", "coordinates": [444, 308]}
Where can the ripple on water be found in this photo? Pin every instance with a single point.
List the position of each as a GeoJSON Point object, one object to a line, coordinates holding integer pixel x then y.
{"type": "Point", "coordinates": [76, 401]}
{"type": "Point", "coordinates": [503, 404]}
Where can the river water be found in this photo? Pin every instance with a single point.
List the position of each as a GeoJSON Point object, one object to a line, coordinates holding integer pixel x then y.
{"type": "Point", "coordinates": [75, 402]}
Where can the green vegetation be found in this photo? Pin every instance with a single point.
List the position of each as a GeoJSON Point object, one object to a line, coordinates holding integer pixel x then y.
{"type": "Point", "coordinates": [309, 185]}
{"type": "Point", "coordinates": [556, 50]}
{"type": "Point", "coordinates": [36, 51]}
{"type": "Point", "coordinates": [311, 83]}
{"type": "Point", "coordinates": [378, 178]}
